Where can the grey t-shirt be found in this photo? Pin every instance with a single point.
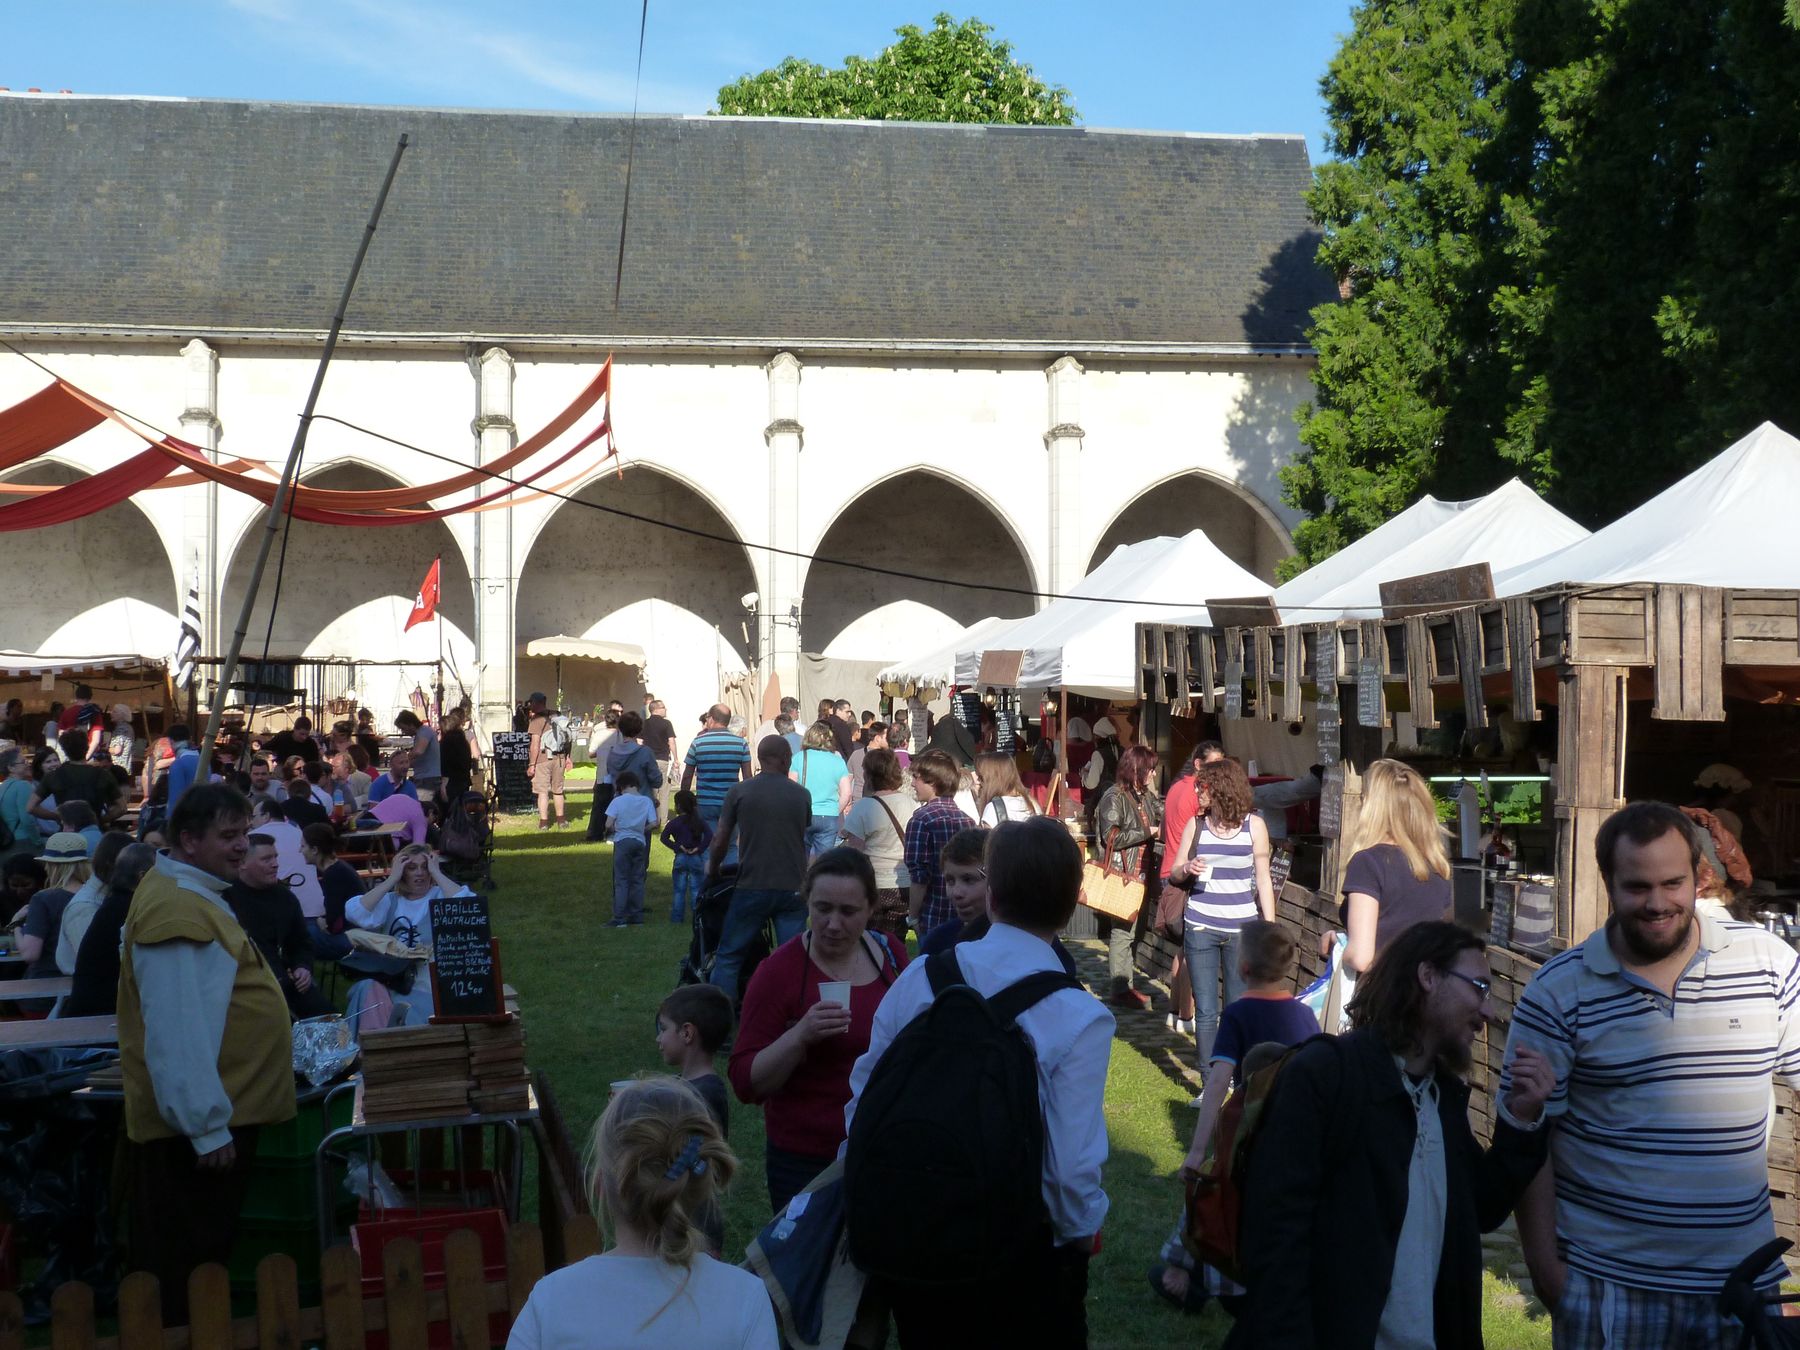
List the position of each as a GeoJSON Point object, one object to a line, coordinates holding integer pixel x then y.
{"type": "Point", "coordinates": [771, 814]}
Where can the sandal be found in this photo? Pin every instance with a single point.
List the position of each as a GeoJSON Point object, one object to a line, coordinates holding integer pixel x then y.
{"type": "Point", "coordinates": [1196, 1297]}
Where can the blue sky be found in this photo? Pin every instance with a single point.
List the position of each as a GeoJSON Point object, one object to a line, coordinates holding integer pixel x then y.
{"type": "Point", "coordinates": [1204, 65]}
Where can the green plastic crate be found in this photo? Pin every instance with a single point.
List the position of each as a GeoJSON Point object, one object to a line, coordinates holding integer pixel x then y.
{"type": "Point", "coordinates": [299, 1138]}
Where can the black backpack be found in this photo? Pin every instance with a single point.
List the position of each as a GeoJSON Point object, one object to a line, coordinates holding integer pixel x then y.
{"type": "Point", "coordinates": [944, 1173]}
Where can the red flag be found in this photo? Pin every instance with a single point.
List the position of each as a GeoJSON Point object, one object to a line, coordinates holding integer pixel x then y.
{"type": "Point", "coordinates": [426, 605]}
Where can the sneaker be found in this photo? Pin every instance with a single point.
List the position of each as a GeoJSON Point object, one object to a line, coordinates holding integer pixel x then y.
{"type": "Point", "coordinates": [1196, 1102]}
{"type": "Point", "coordinates": [616, 923]}
{"type": "Point", "coordinates": [543, 825]}
{"type": "Point", "coordinates": [1185, 1025]}
{"type": "Point", "coordinates": [1129, 998]}
{"type": "Point", "coordinates": [1172, 1022]}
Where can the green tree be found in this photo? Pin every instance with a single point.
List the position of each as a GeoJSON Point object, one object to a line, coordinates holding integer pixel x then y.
{"type": "Point", "coordinates": [953, 72]}
{"type": "Point", "coordinates": [1410, 386]}
{"type": "Point", "coordinates": [1569, 234]}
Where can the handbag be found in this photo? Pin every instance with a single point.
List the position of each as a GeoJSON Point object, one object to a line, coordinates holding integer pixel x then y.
{"type": "Point", "coordinates": [1108, 891]}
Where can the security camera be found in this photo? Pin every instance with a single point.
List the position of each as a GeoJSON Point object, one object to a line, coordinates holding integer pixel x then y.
{"type": "Point", "coordinates": [749, 599]}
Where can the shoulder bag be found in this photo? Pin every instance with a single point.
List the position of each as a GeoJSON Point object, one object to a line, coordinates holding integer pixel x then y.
{"type": "Point", "coordinates": [1107, 890]}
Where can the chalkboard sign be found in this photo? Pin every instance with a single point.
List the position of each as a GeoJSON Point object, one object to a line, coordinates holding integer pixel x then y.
{"type": "Point", "coordinates": [1331, 802]}
{"type": "Point", "coordinates": [512, 755]}
{"type": "Point", "coordinates": [1281, 866]}
{"type": "Point", "coordinates": [1331, 736]}
{"type": "Point", "coordinates": [465, 964]}
{"type": "Point", "coordinates": [1368, 693]}
{"type": "Point", "coordinates": [1234, 688]}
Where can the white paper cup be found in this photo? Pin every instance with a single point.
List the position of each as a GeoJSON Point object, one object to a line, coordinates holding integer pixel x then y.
{"type": "Point", "coordinates": [835, 991]}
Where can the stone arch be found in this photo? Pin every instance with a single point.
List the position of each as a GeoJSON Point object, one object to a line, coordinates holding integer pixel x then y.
{"type": "Point", "coordinates": [1240, 523]}
{"type": "Point", "coordinates": [100, 585]}
{"type": "Point", "coordinates": [346, 591]}
{"type": "Point", "coordinates": [920, 521]}
{"type": "Point", "coordinates": [678, 596]}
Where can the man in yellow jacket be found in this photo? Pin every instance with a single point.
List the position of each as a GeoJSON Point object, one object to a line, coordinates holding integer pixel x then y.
{"type": "Point", "coordinates": [205, 1045]}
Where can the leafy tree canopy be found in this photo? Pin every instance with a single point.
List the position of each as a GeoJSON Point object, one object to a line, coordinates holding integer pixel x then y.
{"type": "Point", "coordinates": [1569, 231]}
{"type": "Point", "coordinates": [953, 72]}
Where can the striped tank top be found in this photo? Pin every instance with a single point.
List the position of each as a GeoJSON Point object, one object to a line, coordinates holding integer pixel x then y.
{"type": "Point", "coordinates": [1224, 897]}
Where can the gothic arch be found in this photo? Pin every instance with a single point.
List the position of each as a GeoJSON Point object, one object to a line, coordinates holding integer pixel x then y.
{"type": "Point", "coordinates": [922, 521]}
{"type": "Point", "coordinates": [587, 573]}
{"type": "Point", "coordinates": [1240, 523]}
{"type": "Point", "coordinates": [100, 585]}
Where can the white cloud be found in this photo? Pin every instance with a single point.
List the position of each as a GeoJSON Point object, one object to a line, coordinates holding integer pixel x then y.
{"type": "Point", "coordinates": [448, 56]}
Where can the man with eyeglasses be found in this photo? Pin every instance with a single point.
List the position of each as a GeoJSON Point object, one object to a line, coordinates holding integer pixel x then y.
{"type": "Point", "coordinates": [1366, 1195]}
{"type": "Point", "coordinates": [1663, 1030]}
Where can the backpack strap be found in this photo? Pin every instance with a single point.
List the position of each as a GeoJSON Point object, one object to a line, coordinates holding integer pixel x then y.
{"type": "Point", "coordinates": [1013, 1000]}
{"type": "Point", "coordinates": [944, 971]}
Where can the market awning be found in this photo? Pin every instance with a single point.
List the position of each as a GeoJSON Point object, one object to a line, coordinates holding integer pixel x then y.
{"type": "Point", "coordinates": [26, 665]}
{"type": "Point", "coordinates": [586, 649]}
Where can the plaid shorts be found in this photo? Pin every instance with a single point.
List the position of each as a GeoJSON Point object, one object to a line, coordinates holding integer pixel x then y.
{"type": "Point", "coordinates": [1599, 1315]}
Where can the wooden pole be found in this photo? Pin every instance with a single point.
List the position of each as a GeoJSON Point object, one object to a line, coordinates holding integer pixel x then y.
{"type": "Point", "coordinates": [284, 491]}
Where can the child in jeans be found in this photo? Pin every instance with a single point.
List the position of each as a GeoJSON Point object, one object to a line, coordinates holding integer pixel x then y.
{"type": "Point", "coordinates": [1266, 1020]}
{"type": "Point", "coordinates": [630, 817]}
{"type": "Point", "coordinates": [688, 837]}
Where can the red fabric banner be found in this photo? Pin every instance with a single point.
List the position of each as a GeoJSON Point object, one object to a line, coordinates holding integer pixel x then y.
{"type": "Point", "coordinates": [49, 418]}
{"type": "Point", "coordinates": [425, 607]}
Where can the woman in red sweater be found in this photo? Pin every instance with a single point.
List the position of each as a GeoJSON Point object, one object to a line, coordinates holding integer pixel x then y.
{"type": "Point", "coordinates": [794, 1051]}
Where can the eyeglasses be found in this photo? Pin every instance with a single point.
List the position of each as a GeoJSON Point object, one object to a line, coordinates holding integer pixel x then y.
{"type": "Point", "coordinates": [1483, 987]}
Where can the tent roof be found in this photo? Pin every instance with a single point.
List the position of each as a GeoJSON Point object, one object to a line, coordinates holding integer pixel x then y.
{"type": "Point", "coordinates": [1728, 523]}
{"type": "Point", "coordinates": [1351, 561]}
{"type": "Point", "coordinates": [937, 668]}
{"type": "Point", "coordinates": [586, 649]}
{"type": "Point", "coordinates": [1087, 642]}
{"type": "Point", "coordinates": [17, 664]}
{"type": "Point", "coordinates": [1510, 527]}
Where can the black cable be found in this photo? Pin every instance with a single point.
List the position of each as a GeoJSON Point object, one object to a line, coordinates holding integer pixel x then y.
{"type": "Point", "coordinates": [630, 153]}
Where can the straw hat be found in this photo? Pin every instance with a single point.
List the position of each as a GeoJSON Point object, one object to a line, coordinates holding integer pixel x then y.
{"type": "Point", "coordinates": [65, 846]}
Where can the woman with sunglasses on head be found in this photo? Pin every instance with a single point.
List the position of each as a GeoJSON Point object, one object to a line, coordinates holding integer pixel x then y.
{"type": "Point", "coordinates": [400, 906]}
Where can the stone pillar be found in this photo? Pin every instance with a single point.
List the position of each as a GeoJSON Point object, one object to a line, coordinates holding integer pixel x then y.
{"type": "Point", "coordinates": [1063, 441]}
{"type": "Point", "coordinates": [495, 572]}
{"type": "Point", "coordinates": [778, 615]}
{"type": "Point", "coordinates": [200, 504]}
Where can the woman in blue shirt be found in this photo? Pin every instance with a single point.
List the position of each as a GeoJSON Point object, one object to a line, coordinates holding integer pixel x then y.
{"type": "Point", "coordinates": [821, 770]}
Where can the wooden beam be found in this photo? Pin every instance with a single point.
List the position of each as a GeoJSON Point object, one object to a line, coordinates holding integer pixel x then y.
{"type": "Point", "coordinates": [1418, 674]}
{"type": "Point", "coordinates": [1521, 648]}
{"type": "Point", "coordinates": [1468, 666]}
{"type": "Point", "coordinates": [1590, 770]}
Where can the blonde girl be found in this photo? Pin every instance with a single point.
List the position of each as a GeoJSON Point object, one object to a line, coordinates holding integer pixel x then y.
{"type": "Point", "coordinates": [657, 1164]}
{"type": "Point", "coordinates": [1398, 874]}
{"type": "Point", "coordinates": [999, 795]}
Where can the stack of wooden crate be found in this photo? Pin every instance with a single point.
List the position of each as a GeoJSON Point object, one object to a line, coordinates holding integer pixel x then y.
{"type": "Point", "coordinates": [497, 1067]}
{"type": "Point", "coordinates": [415, 1073]}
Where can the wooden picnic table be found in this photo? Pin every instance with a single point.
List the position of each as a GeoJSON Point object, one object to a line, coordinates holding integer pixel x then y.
{"type": "Point", "coordinates": [370, 848]}
{"type": "Point", "coordinates": [54, 987]}
{"type": "Point", "coordinates": [52, 1033]}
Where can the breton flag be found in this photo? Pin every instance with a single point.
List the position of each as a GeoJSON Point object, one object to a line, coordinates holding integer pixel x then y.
{"type": "Point", "coordinates": [187, 646]}
{"type": "Point", "coordinates": [425, 607]}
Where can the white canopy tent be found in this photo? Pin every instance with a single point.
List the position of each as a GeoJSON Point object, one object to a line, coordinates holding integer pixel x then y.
{"type": "Point", "coordinates": [1509, 528]}
{"type": "Point", "coordinates": [938, 669]}
{"type": "Point", "coordinates": [1351, 562]}
{"type": "Point", "coordinates": [1726, 524]}
{"type": "Point", "coordinates": [1086, 642]}
{"type": "Point", "coordinates": [622, 665]}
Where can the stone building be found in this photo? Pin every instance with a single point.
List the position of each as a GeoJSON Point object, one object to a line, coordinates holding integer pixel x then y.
{"type": "Point", "coordinates": [984, 355]}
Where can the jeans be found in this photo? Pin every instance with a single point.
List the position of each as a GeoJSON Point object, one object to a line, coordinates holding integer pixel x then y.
{"type": "Point", "coordinates": [744, 920]}
{"type": "Point", "coordinates": [1211, 952]}
{"type": "Point", "coordinates": [631, 860]}
{"type": "Point", "coordinates": [789, 1173]}
{"type": "Point", "coordinates": [822, 834]}
{"type": "Point", "coordinates": [688, 872]}
{"type": "Point", "coordinates": [711, 816]}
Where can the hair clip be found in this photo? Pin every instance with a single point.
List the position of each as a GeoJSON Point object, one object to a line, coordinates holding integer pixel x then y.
{"type": "Point", "coordinates": [689, 1160]}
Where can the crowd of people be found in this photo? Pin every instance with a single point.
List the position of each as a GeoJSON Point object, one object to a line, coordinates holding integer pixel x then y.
{"type": "Point", "coordinates": [915, 896]}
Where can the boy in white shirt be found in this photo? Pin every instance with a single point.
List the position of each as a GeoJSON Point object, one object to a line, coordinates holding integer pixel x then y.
{"type": "Point", "coordinates": [630, 818]}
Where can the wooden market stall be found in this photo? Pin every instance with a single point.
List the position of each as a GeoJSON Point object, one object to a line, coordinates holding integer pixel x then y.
{"type": "Point", "coordinates": [1621, 691]}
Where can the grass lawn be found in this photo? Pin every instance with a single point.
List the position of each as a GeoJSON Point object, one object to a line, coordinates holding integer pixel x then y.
{"type": "Point", "coordinates": [589, 997]}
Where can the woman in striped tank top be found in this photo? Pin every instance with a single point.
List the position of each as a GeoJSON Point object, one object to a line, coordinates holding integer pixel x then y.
{"type": "Point", "coordinates": [1225, 851]}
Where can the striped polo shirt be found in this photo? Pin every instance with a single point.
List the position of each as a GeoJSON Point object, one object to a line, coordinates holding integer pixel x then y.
{"type": "Point", "coordinates": [1224, 896]}
{"type": "Point", "coordinates": [1662, 1105]}
{"type": "Point", "coordinates": [717, 756]}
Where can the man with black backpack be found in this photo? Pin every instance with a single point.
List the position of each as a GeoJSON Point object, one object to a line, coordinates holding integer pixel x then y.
{"type": "Point", "coordinates": [988, 1063]}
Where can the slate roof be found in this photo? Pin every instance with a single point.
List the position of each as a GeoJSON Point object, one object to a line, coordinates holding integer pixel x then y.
{"type": "Point", "coordinates": [210, 216]}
